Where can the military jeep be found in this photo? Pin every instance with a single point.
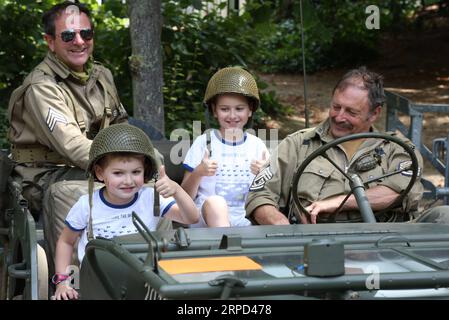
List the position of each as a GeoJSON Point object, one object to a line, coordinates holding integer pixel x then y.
{"type": "Point", "coordinates": [366, 260]}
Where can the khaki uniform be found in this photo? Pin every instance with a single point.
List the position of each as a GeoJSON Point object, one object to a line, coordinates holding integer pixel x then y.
{"type": "Point", "coordinates": [321, 180]}
{"type": "Point", "coordinates": [54, 116]}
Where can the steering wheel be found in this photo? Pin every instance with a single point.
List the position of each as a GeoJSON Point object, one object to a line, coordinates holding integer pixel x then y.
{"type": "Point", "coordinates": [357, 185]}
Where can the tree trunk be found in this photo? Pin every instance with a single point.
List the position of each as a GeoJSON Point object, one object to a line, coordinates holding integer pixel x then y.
{"type": "Point", "coordinates": [146, 61]}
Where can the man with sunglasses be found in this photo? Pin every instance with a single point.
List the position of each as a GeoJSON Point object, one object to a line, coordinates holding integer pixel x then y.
{"type": "Point", "coordinates": [60, 107]}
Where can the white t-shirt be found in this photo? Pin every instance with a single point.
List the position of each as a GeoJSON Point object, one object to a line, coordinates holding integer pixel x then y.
{"type": "Point", "coordinates": [233, 176]}
{"type": "Point", "coordinates": [109, 220]}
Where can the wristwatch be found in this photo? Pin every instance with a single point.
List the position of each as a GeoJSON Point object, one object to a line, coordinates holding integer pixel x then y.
{"type": "Point", "coordinates": [59, 277]}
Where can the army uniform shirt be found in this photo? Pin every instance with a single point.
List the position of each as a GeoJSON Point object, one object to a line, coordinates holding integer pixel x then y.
{"type": "Point", "coordinates": [320, 179]}
{"type": "Point", "coordinates": [60, 113]}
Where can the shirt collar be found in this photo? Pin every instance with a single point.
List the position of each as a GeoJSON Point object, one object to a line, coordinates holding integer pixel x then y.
{"type": "Point", "coordinates": [63, 71]}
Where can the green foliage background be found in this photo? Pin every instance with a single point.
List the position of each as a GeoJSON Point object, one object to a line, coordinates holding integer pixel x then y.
{"type": "Point", "coordinates": [266, 38]}
{"type": "Point", "coordinates": [335, 32]}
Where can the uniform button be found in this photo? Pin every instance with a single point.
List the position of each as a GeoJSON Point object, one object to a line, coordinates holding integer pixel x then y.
{"type": "Point", "coordinates": [320, 171]}
{"type": "Point", "coordinates": [371, 177]}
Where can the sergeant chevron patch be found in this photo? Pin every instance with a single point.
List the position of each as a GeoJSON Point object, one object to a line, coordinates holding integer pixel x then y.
{"type": "Point", "coordinates": [407, 165]}
{"type": "Point", "coordinates": [53, 117]}
{"type": "Point", "coordinates": [260, 180]}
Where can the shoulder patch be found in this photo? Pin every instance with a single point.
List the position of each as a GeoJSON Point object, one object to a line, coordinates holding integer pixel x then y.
{"type": "Point", "coordinates": [407, 165]}
{"type": "Point", "coordinates": [53, 117]}
{"type": "Point", "coordinates": [260, 180]}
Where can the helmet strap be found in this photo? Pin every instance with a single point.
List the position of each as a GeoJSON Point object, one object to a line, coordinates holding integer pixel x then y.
{"type": "Point", "coordinates": [107, 109]}
{"type": "Point", "coordinates": [208, 142]}
{"type": "Point", "coordinates": [90, 232]}
{"type": "Point", "coordinates": [156, 204]}
{"type": "Point", "coordinates": [208, 137]}
{"type": "Point", "coordinates": [207, 116]}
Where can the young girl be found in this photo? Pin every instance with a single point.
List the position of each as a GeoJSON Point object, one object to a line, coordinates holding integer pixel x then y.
{"type": "Point", "coordinates": [221, 164]}
{"type": "Point", "coordinates": [122, 157]}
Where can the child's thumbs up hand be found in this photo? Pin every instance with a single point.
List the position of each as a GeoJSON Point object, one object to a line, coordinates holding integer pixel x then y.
{"type": "Point", "coordinates": [206, 154]}
{"type": "Point", "coordinates": [162, 172]}
{"type": "Point", "coordinates": [165, 186]}
{"type": "Point", "coordinates": [207, 167]}
{"type": "Point", "coordinates": [257, 165]}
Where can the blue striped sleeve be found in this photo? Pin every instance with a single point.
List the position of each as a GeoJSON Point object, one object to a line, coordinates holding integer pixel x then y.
{"type": "Point", "coordinates": [73, 228]}
{"type": "Point", "coordinates": [168, 208]}
{"type": "Point", "coordinates": [187, 167]}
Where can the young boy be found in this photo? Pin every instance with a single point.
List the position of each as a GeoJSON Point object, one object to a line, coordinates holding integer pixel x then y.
{"type": "Point", "coordinates": [122, 157]}
{"type": "Point", "coordinates": [218, 176]}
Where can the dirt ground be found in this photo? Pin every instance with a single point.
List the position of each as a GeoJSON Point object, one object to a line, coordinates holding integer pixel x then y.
{"type": "Point", "coordinates": [414, 65]}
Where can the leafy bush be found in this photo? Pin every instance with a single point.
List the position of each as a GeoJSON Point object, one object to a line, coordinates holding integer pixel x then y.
{"type": "Point", "coordinates": [3, 129]}
{"type": "Point", "coordinates": [281, 51]}
{"type": "Point", "coordinates": [21, 43]}
{"type": "Point", "coordinates": [113, 45]}
{"type": "Point", "coordinates": [21, 48]}
{"type": "Point", "coordinates": [335, 35]}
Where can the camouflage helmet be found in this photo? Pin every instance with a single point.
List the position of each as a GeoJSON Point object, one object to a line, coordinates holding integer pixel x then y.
{"type": "Point", "coordinates": [232, 80]}
{"type": "Point", "coordinates": [122, 138]}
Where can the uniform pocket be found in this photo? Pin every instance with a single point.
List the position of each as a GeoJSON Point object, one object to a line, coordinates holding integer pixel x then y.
{"type": "Point", "coordinates": [314, 181]}
{"type": "Point", "coordinates": [373, 173]}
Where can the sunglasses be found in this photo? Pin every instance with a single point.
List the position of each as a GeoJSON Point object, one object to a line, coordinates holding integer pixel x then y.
{"type": "Point", "coordinates": [70, 34]}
